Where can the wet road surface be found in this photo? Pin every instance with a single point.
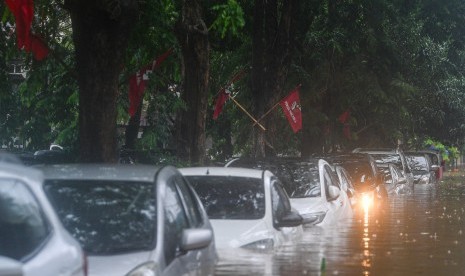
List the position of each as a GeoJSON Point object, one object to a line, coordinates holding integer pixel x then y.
{"type": "Point", "coordinates": [418, 234]}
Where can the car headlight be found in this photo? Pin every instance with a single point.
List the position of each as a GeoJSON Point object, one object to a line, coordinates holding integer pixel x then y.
{"type": "Point", "coordinates": [313, 218]}
{"type": "Point", "coordinates": [146, 269]}
{"type": "Point", "coordinates": [264, 244]}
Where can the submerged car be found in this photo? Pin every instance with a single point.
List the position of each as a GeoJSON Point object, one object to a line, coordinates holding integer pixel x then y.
{"type": "Point", "coordinates": [367, 179]}
{"type": "Point", "coordinates": [32, 239]}
{"type": "Point", "coordinates": [312, 185]}
{"type": "Point", "coordinates": [347, 185]}
{"type": "Point", "coordinates": [394, 156]}
{"type": "Point", "coordinates": [394, 181]}
{"type": "Point", "coordinates": [423, 172]}
{"type": "Point", "coordinates": [248, 208]}
{"type": "Point", "coordinates": [133, 219]}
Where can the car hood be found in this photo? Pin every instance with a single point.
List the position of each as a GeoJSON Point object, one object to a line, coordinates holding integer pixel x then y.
{"type": "Point", "coordinates": [116, 265]}
{"type": "Point", "coordinates": [309, 205]}
{"type": "Point", "coordinates": [236, 233]}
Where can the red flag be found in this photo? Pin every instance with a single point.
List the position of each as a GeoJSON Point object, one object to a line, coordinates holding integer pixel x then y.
{"type": "Point", "coordinates": [291, 107]}
{"type": "Point", "coordinates": [23, 10]}
{"type": "Point", "coordinates": [223, 95]}
{"type": "Point", "coordinates": [220, 101]}
{"type": "Point", "coordinates": [138, 82]}
{"type": "Point", "coordinates": [38, 47]}
{"type": "Point", "coordinates": [344, 116]}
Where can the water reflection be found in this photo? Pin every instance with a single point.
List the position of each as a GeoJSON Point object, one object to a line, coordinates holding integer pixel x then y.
{"type": "Point", "coordinates": [417, 234]}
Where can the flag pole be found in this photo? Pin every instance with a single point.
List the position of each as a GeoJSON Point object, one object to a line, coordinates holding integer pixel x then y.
{"type": "Point", "coordinates": [248, 114]}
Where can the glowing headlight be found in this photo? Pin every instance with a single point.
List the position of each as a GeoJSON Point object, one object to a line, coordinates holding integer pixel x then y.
{"type": "Point", "coordinates": [260, 245]}
{"type": "Point", "coordinates": [313, 218]}
{"type": "Point", "coordinates": [146, 269]}
{"type": "Point", "coordinates": [367, 200]}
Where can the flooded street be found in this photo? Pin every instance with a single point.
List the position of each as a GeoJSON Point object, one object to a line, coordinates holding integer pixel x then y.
{"type": "Point", "coordinates": [418, 234]}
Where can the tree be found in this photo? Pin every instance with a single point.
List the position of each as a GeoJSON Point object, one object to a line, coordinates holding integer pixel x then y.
{"type": "Point", "coordinates": [100, 34]}
{"type": "Point", "coordinates": [192, 34]}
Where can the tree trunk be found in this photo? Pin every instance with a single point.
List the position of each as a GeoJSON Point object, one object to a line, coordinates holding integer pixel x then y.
{"type": "Point", "coordinates": [100, 33]}
{"type": "Point", "coordinates": [192, 34]}
{"type": "Point", "coordinates": [274, 24]}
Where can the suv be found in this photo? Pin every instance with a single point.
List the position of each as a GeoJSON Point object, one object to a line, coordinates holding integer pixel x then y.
{"type": "Point", "coordinates": [390, 155]}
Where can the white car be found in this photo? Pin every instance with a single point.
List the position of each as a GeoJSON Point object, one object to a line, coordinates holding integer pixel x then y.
{"type": "Point", "coordinates": [394, 180]}
{"type": "Point", "coordinates": [347, 184]}
{"type": "Point", "coordinates": [312, 186]}
{"type": "Point", "coordinates": [248, 208]}
{"type": "Point", "coordinates": [32, 239]}
{"type": "Point", "coordinates": [133, 219]}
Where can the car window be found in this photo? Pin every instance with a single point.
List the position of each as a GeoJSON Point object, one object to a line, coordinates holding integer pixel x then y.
{"type": "Point", "coordinates": [361, 172]}
{"type": "Point", "coordinates": [190, 203]}
{"type": "Point", "coordinates": [175, 221]}
{"type": "Point", "coordinates": [230, 197]}
{"type": "Point", "coordinates": [23, 227]}
{"type": "Point", "coordinates": [334, 179]}
{"type": "Point", "coordinates": [305, 181]}
{"type": "Point", "coordinates": [280, 201]}
{"type": "Point", "coordinates": [418, 163]}
{"type": "Point", "coordinates": [106, 217]}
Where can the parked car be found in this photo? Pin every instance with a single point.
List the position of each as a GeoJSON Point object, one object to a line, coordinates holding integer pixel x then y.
{"type": "Point", "coordinates": [367, 179]}
{"type": "Point", "coordinates": [133, 219]}
{"type": "Point", "coordinates": [394, 181]}
{"type": "Point", "coordinates": [347, 185]}
{"type": "Point", "coordinates": [312, 185]}
{"type": "Point", "coordinates": [435, 158]}
{"type": "Point", "coordinates": [32, 239]}
{"type": "Point", "coordinates": [248, 208]}
{"type": "Point", "coordinates": [395, 156]}
{"type": "Point", "coordinates": [423, 173]}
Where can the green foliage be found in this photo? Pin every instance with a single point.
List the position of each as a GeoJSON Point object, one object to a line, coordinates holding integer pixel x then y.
{"type": "Point", "coordinates": [230, 18]}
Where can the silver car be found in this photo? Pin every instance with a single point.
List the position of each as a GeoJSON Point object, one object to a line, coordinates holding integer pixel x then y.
{"type": "Point", "coordinates": [32, 239]}
{"type": "Point", "coordinates": [133, 219]}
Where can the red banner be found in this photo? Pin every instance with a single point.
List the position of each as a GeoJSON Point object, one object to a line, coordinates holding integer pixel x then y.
{"type": "Point", "coordinates": [223, 95]}
{"type": "Point", "coordinates": [291, 107]}
{"type": "Point", "coordinates": [138, 82]}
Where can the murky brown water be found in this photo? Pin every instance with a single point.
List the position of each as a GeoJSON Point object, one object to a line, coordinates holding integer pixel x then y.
{"type": "Point", "coordinates": [418, 234]}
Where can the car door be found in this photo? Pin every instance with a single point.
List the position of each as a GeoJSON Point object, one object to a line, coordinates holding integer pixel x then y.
{"type": "Point", "coordinates": [281, 206]}
{"type": "Point", "coordinates": [336, 199]}
{"type": "Point", "coordinates": [181, 212]}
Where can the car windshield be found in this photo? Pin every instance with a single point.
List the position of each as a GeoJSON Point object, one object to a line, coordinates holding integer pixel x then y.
{"type": "Point", "coordinates": [300, 179]}
{"type": "Point", "coordinates": [388, 158]}
{"type": "Point", "coordinates": [106, 217]}
{"type": "Point", "coordinates": [418, 163]}
{"type": "Point", "coordinates": [230, 197]}
{"type": "Point", "coordinates": [361, 172]}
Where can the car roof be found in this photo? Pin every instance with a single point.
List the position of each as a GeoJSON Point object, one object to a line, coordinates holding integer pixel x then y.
{"type": "Point", "coordinates": [13, 170]}
{"type": "Point", "coordinates": [272, 160]}
{"type": "Point", "coordinates": [377, 150]}
{"type": "Point", "coordinates": [223, 171]}
{"type": "Point", "coordinates": [100, 171]}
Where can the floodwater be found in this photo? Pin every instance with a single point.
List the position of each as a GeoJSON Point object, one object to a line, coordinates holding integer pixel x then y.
{"type": "Point", "coordinates": [418, 234]}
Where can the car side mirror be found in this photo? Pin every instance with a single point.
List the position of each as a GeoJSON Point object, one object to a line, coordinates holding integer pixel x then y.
{"type": "Point", "coordinates": [291, 219]}
{"type": "Point", "coordinates": [333, 193]}
{"type": "Point", "coordinates": [10, 267]}
{"type": "Point", "coordinates": [196, 238]}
